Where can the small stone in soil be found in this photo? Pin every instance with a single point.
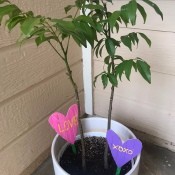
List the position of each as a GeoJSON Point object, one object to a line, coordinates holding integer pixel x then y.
{"type": "Point", "coordinates": [95, 146]}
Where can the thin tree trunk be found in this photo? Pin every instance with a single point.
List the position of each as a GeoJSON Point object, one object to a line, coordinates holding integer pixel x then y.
{"type": "Point", "coordinates": [108, 127]}
{"type": "Point", "coordinates": [69, 73]}
{"type": "Point", "coordinates": [112, 94]}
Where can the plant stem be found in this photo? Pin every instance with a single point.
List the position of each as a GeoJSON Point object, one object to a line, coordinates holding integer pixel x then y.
{"type": "Point", "coordinates": [69, 73]}
{"type": "Point", "coordinates": [108, 34]}
{"type": "Point", "coordinates": [118, 171]}
{"type": "Point", "coordinates": [108, 127]}
{"type": "Point", "coordinates": [109, 119]}
{"type": "Point", "coordinates": [74, 150]}
{"type": "Point", "coordinates": [56, 50]}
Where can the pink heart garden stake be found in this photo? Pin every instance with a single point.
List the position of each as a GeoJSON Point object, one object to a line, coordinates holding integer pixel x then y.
{"type": "Point", "coordinates": [66, 126]}
{"type": "Point", "coordinates": [123, 152]}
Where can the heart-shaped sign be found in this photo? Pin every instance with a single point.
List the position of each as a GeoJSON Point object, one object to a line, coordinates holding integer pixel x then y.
{"type": "Point", "coordinates": [66, 126]}
{"type": "Point", "coordinates": [123, 152]}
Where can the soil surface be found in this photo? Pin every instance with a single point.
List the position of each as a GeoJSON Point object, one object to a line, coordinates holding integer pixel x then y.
{"type": "Point", "coordinates": [71, 163]}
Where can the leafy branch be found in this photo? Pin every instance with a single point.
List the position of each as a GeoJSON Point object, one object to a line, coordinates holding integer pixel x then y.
{"type": "Point", "coordinates": [117, 66]}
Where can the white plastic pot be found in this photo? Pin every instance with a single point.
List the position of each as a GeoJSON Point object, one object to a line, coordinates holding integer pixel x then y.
{"type": "Point", "coordinates": [93, 126]}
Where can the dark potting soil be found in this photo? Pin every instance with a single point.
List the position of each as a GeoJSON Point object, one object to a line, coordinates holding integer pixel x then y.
{"type": "Point", "coordinates": [71, 163]}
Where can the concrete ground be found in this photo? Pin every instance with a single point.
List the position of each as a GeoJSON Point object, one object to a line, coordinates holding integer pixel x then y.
{"type": "Point", "coordinates": [155, 161]}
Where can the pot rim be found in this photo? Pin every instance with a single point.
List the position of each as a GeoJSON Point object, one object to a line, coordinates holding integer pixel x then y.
{"type": "Point", "coordinates": [137, 160]}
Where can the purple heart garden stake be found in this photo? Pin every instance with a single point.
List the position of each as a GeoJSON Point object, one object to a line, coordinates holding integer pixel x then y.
{"type": "Point", "coordinates": [66, 126]}
{"type": "Point", "coordinates": [122, 152]}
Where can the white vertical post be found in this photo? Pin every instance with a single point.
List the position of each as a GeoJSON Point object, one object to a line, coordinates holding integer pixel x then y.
{"type": "Point", "coordinates": [87, 79]}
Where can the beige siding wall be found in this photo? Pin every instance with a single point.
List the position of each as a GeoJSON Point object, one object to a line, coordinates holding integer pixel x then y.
{"type": "Point", "coordinates": [33, 84]}
{"type": "Point", "coordinates": [148, 108]}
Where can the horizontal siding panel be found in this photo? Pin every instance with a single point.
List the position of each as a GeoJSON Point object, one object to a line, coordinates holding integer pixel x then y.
{"type": "Point", "coordinates": [23, 151]}
{"type": "Point", "coordinates": [20, 68]}
{"type": "Point", "coordinates": [7, 38]}
{"type": "Point", "coordinates": [154, 21]}
{"type": "Point", "coordinates": [159, 94]}
{"type": "Point", "coordinates": [54, 8]}
{"type": "Point", "coordinates": [24, 111]}
{"type": "Point", "coordinates": [160, 56]}
{"type": "Point", "coordinates": [135, 114]}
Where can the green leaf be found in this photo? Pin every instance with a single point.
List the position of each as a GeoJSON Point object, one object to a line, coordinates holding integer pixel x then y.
{"type": "Point", "coordinates": [94, 7]}
{"type": "Point", "coordinates": [104, 79]}
{"type": "Point", "coordinates": [124, 14]}
{"type": "Point", "coordinates": [67, 17]}
{"type": "Point", "coordinates": [132, 8]}
{"type": "Point", "coordinates": [71, 28]}
{"type": "Point", "coordinates": [106, 60]}
{"type": "Point", "coordinates": [134, 38]}
{"type": "Point", "coordinates": [68, 8]}
{"type": "Point", "coordinates": [97, 26]}
{"type": "Point", "coordinates": [119, 20]}
{"type": "Point", "coordinates": [79, 3]}
{"type": "Point", "coordinates": [117, 27]}
{"type": "Point", "coordinates": [98, 15]}
{"type": "Point", "coordinates": [126, 41]}
{"type": "Point", "coordinates": [156, 8]}
{"type": "Point", "coordinates": [30, 14]}
{"type": "Point", "coordinates": [12, 22]}
{"type": "Point", "coordinates": [144, 70]}
{"type": "Point", "coordinates": [84, 18]}
{"type": "Point", "coordinates": [146, 39]}
{"type": "Point", "coordinates": [112, 79]}
{"type": "Point", "coordinates": [2, 1]}
{"type": "Point", "coordinates": [117, 43]}
{"type": "Point", "coordinates": [64, 26]}
{"type": "Point", "coordinates": [29, 24]}
{"type": "Point", "coordinates": [79, 39]}
{"type": "Point", "coordinates": [97, 47]}
{"type": "Point", "coordinates": [142, 12]}
{"type": "Point", "coordinates": [109, 1]}
{"type": "Point", "coordinates": [87, 31]}
{"type": "Point", "coordinates": [101, 50]}
{"type": "Point", "coordinates": [63, 36]}
{"type": "Point", "coordinates": [96, 77]}
{"type": "Point", "coordinates": [7, 10]}
{"type": "Point", "coordinates": [119, 69]}
{"type": "Point", "coordinates": [38, 31]}
{"type": "Point", "coordinates": [128, 67]}
{"type": "Point", "coordinates": [39, 40]}
{"type": "Point", "coordinates": [135, 66]}
{"type": "Point", "coordinates": [110, 46]}
{"type": "Point", "coordinates": [113, 18]}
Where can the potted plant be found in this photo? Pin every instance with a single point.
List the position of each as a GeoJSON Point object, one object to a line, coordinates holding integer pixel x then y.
{"type": "Point", "coordinates": [84, 28]}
